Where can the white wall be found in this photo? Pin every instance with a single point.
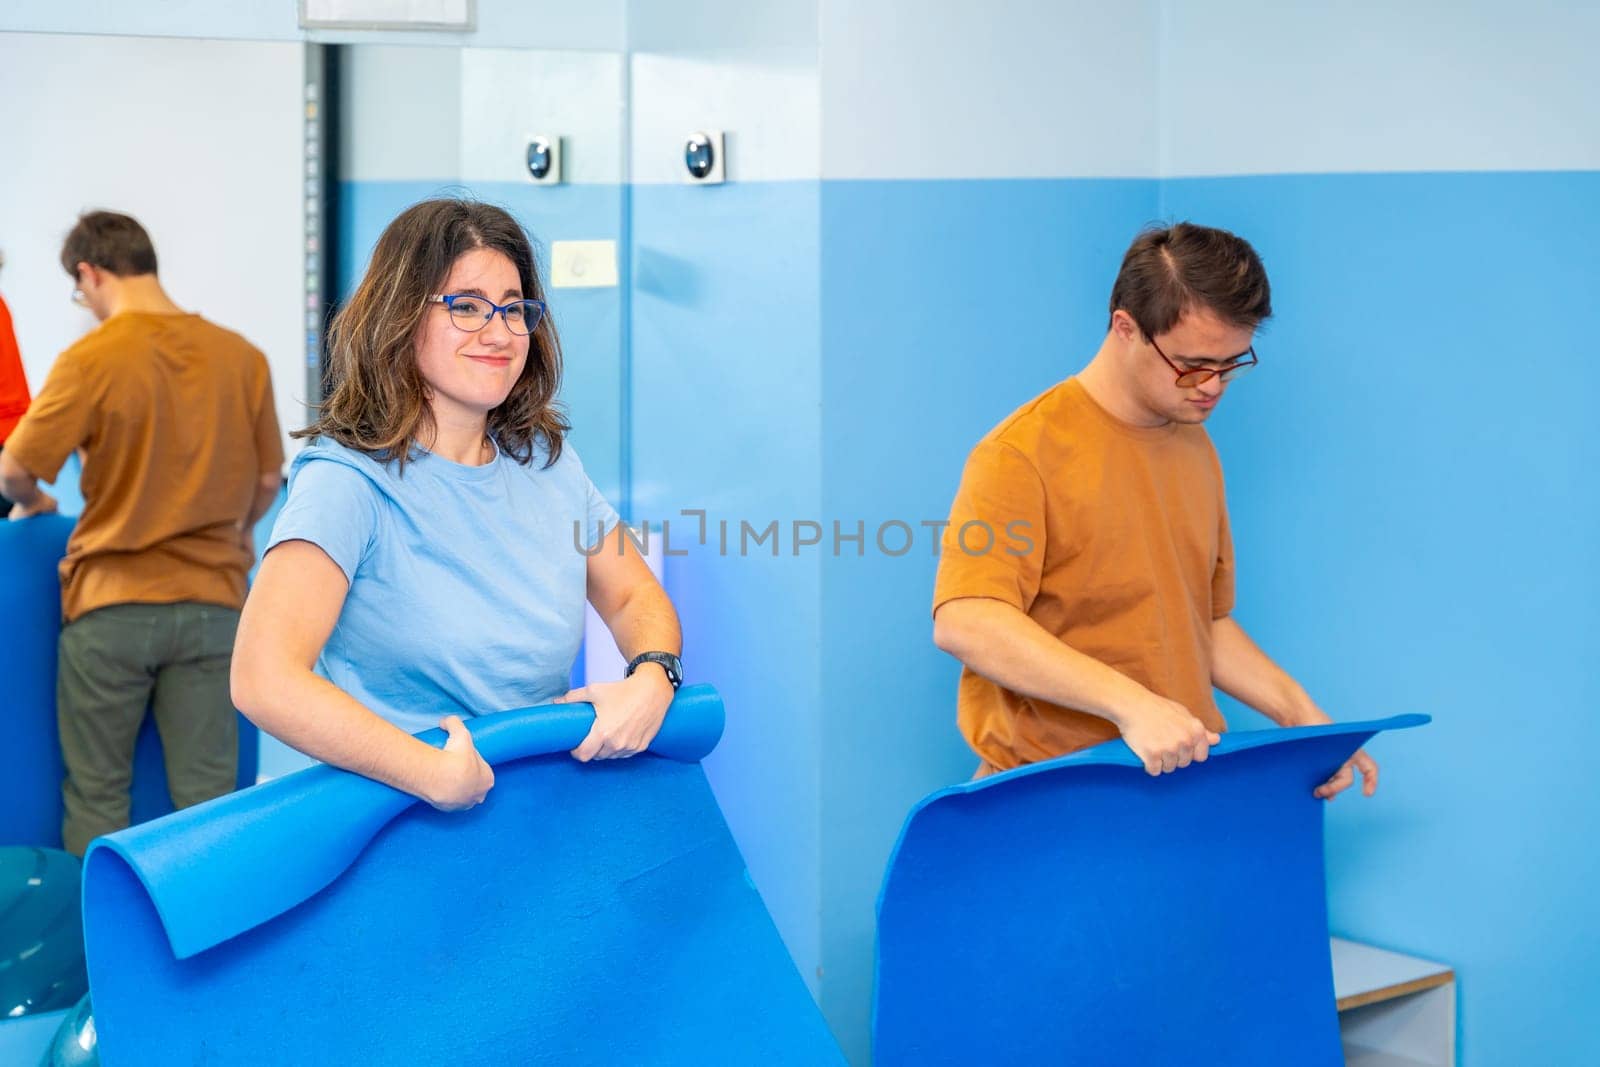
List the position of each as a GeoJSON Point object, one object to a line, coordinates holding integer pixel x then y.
{"type": "Point", "coordinates": [425, 112]}
{"type": "Point", "coordinates": [403, 104]}
{"type": "Point", "coordinates": [201, 141]}
{"type": "Point", "coordinates": [717, 25]}
{"type": "Point", "coordinates": [1019, 89]}
{"type": "Point", "coordinates": [598, 24]}
{"type": "Point", "coordinates": [1263, 87]}
{"type": "Point", "coordinates": [764, 100]}
{"type": "Point", "coordinates": [508, 95]}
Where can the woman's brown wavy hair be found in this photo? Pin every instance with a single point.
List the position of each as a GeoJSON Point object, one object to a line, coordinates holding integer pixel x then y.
{"type": "Point", "coordinates": [377, 400]}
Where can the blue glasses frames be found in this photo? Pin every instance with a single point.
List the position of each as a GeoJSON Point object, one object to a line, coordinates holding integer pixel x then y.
{"type": "Point", "coordinates": [472, 313]}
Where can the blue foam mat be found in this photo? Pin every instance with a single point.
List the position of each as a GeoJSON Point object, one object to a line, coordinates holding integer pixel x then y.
{"type": "Point", "coordinates": [1080, 911]}
{"type": "Point", "coordinates": [30, 760]}
{"type": "Point", "coordinates": [586, 913]}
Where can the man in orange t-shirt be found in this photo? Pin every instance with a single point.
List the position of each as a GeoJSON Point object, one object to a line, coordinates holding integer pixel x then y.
{"type": "Point", "coordinates": [181, 457]}
{"type": "Point", "coordinates": [13, 385]}
{"type": "Point", "coordinates": [1086, 577]}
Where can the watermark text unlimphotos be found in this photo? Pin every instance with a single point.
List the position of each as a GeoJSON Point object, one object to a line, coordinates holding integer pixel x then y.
{"type": "Point", "coordinates": [694, 529]}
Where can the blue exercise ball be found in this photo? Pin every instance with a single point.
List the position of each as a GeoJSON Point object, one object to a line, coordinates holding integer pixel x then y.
{"type": "Point", "coordinates": [76, 1044]}
{"type": "Point", "coordinates": [41, 932]}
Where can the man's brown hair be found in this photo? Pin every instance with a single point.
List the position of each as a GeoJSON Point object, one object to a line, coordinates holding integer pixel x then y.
{"type": "Point", "coordinates": [111, 241]}
{"type": "Point", "coordinates": [377, 399]}
{"type": "Point", "coordinates": [1175, 269]}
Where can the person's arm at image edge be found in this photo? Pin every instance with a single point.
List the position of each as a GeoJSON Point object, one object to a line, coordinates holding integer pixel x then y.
{"type": "Point", "coordinates": [269, 453]}
{"type": "Point", "coordinates": [291, 610]}
{"type": "Point", "coordinates": [267, 486]}
{"type": "Point", "coordinates": [55, 424]}
{"type": "Point", "coordinates": [20, 487]}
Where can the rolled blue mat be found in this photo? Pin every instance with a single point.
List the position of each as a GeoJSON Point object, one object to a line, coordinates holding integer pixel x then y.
{"type": "Point", "coordinates": [30, 602]}
{"type": "Point", "coordinates": [30, 760]}
{"type": "Point", "coordinates": [583, 914]}
{"type": "Point", "coordinates": [1082, 912]}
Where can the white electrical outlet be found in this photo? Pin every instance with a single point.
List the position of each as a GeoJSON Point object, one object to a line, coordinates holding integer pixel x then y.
{"type": "Point", "coordinates": [583, 264]}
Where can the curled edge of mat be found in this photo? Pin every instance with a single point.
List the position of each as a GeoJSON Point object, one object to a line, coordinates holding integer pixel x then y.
{"type": "Point", "coordinates": [229, 865]}
{"type": "Point", "coordinates": [1118, 754]}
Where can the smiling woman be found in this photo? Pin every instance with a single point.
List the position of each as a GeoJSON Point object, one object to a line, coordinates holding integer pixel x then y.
{"type": "Point", "coordinates": [422, 564]}
{"type": "Point", "coordinates": [401, 355]}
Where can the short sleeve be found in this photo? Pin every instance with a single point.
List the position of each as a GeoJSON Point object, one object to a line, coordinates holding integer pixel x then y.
{"type": "Point", "coordinates": [994, 544]}
{"type": "Point", "coordinates": [601, 516]}
{"type": "Point", "coordinates": [1222, 591]}
{"type": "Point", "coordinates": [58, 421]}
{"type": "Point", "coordinates": [333, 507]}
{"type": "Point", "coordinates": [268, 436]}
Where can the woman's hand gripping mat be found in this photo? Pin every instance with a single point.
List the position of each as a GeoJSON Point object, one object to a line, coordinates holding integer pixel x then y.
{"type": "Point", "coordinates": [584, 914]}
{"type": "Point", "coordinates": [1081, 912]}
{"type": "Point", "coordinates": [30, 760]}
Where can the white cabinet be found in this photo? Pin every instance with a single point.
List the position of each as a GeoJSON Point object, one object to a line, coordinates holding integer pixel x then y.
{"type": "Point", "coordinates": [1394, 1010]}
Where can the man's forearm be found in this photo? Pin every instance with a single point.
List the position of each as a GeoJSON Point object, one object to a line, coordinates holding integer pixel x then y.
{"type": "Point", "coordinates": [1240, 669]}
{"type": "Point", "coordinates": [260, 506]}
{"type": "Point", "coordinates": [1006, 646]}
{"type": "Point", "coordinates": [17, 485]}
{"type": "Point", "coordinates": [21, 491]}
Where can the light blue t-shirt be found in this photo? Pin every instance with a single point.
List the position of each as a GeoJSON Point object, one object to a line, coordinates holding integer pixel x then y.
{"type": "Point", "coordinates": [467, 585]}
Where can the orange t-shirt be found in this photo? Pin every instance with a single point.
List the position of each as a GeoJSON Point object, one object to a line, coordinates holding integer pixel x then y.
{"type": "Point", "coordinates": [1112, 537]}
{"type": "Point", "coordinates": [13, 384]}
{"type": "Point", "coordinates": [176, 420]}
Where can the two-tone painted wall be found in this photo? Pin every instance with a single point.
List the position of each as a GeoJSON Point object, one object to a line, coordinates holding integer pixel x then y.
{"type": "Point", "coordinates": [1406, 470]}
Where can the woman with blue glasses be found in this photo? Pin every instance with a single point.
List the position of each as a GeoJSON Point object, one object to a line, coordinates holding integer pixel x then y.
{"type": "Point", "coordinates": [425, 566]}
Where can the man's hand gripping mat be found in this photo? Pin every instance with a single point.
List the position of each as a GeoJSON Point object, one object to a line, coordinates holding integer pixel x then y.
{"type": "Point", "coordinates": [1081, 912]}
{"type": "Point", "coordinates": [585, 913]}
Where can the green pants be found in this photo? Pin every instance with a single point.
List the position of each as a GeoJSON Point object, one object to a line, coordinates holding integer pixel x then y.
{"type": "Point", "coordinates": [116, 662]}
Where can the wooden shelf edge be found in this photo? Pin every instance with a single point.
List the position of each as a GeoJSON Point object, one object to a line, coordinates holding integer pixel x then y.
{"type": "Point", "coordinates": [1378, 996]}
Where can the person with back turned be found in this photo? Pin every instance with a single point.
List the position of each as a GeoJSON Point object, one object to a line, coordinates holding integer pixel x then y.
{"type": "Point", "coordinates": [181, 456]}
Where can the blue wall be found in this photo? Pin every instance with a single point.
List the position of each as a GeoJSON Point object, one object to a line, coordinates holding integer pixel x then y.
{"type": "Point", "coordinates": [1410, 478]}
{"type": "Point", "coordinates": [1401, 474]}
{"type": "Point", "coordinates": [726, 418]}
{"type": "Point", "coordinates": [945, 306]}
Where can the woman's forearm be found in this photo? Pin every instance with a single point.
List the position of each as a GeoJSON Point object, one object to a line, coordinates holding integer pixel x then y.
{"type": "Point", "coordinates": [309, 713]}
{"type": "Point", "coordinates": [646, 622]}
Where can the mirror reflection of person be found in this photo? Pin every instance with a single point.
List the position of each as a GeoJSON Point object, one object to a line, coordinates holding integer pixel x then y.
{"type": "Point", "coordinates": [173, 418]}
{"type": "Point", "coordinates": [14, 394]}
{"type": "Point", "coordinates": [425, 566]}
{"type": "Point", "coordinates": [1112, 614]}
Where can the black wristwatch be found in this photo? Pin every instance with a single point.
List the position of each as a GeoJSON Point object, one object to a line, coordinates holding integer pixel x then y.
{"type": "Point", "coordinates": [669, 663]}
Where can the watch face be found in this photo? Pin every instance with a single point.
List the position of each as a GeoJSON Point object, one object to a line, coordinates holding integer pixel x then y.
{"type": "Point", "coordinates": [669, 663]}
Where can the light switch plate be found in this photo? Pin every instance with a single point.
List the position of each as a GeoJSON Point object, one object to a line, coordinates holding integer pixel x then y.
{"type": "Point", "coordinates": [583, 264]}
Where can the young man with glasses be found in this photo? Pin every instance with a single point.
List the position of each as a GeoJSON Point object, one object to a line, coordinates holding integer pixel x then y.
{"type": "Point", "coordinates": [1112, 616]}
{"type": "Point", "coordinates": [181, 457]}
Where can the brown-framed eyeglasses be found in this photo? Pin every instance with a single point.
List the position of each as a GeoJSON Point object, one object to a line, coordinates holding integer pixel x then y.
{"type": "Point", "coordinates": [1227, 370]}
